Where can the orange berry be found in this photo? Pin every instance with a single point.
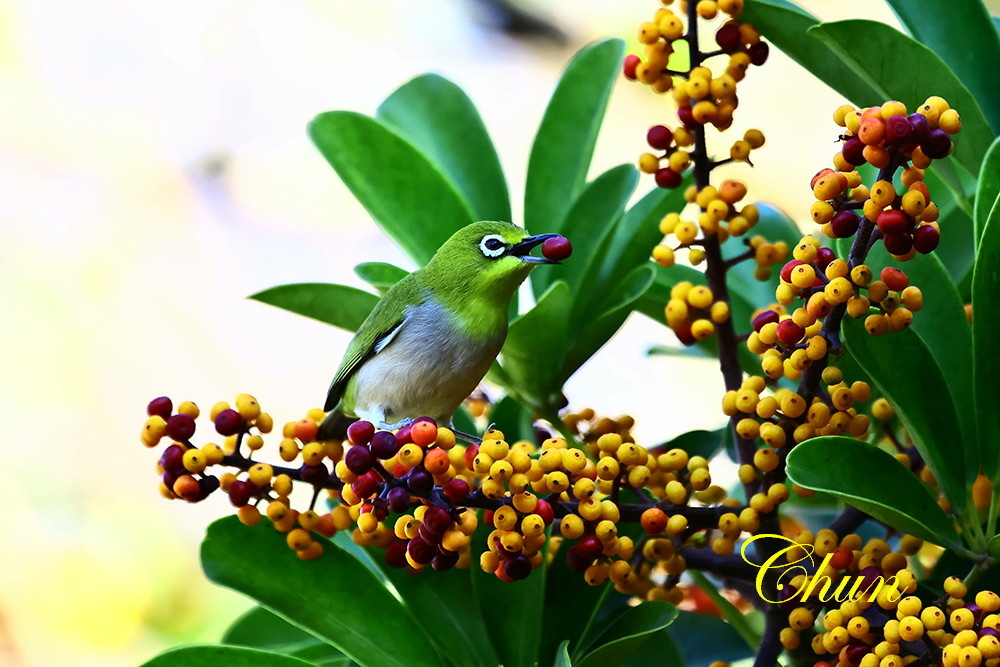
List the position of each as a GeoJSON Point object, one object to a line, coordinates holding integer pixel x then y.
{"type": "Point", "coordinates": [423, 432]}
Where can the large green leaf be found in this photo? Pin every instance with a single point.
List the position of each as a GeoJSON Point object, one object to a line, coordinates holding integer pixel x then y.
{"type": "Point", "coordinates": [260, 628]}
{"type": "Point", "coordinates": [334, 597]}
{"type": "Point", "coordinates": [402, 189]}
{"type": "Point", "coordinates": [659, 649]}
{"type": "Point", "coordinates": [562, 656]}
{"type": "Point", "coordinates": [570, 607]}
{"type": "Point", "coordinates": [957, 250]}
{"type": "Point", "coordinates": [589, 223]}
{"type": "Point", "coordinates": [906, 373]}
{"type": "Point", "coordinates": [213, 655]}
{"type": "Point", "coordinates": [958, 32]}
{"type": "Point", "coordinates": [912, 74]}
{"type": "Point", "coordinates": [987, 189]}
{"type": "Point", "coordinates": [512, 419]}
{"type": "Point", "coordinates": [436, 116]}
{"type": "Point", "coordinates": [873, 481]}
{"type": "Point", "coordinates": [786, 26]}
{"type": "Point", "coordinates": [339, 305]}
{"type": "Point", "coordinates": [536, 347]}
{"type": "Point", "coordinates": [693, 632]}
{"type": "Point", "coordinates": [441, 604]}
{"type": "Point", "coordinates": [628, 632]}
{"type": "Point", "coordinates": [380, 275]}
{"type": "Point", "coordinates": [560, 155]}
{"type": "Point", "coordinates": [985, 334]}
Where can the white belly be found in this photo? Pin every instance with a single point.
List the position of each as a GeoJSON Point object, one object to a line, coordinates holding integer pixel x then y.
{"type": "Point", "coordinates": [427, 369]}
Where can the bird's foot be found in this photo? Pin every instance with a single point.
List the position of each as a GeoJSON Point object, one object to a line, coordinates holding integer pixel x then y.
{"type": "Point", "coordinates": [396, 425]}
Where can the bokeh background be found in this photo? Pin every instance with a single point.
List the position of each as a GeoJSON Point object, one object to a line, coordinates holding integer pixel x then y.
{"type": "Point", "coordinates": [155, 170]}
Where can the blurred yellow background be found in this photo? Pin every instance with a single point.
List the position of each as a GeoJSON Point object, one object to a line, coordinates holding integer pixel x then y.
{"type": "Point", "coordinates": [155, 170]}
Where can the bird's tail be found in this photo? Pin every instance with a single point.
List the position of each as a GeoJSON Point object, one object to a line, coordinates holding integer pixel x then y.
{"type": "Point", "coordinates": [334, 427]}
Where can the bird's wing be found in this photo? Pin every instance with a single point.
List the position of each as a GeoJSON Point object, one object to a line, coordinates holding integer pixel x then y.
{"type": "Point", "coordinates": [376, 332]}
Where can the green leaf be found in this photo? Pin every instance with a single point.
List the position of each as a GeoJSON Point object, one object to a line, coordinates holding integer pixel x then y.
{"type": "Point", "coordinates": [403, 191]}
{"type": "Point", "coordinates": [955, 31]}
{"type": "Point", "coordinates": [535, 348]}
{"type": "Point", "coordinates": [589, 223]}
{"type": "Point", "coordinates": [339, 305]}
{"type": "Point", "coordinates": [628, 632]}
{"type": "Point", "coordinates": [985, 334]}
{"type": "Point", "coordinates": [700, 442]}
{"type": "Point", "coordinates": [334, 597]}
{"type": "Point", "coordinates": [659, 649]}
{"type": "Point", "coordinates": [692, 632]}
{"type": "Point", "coordinates": [259, 628]}
{"type": "Point", "coordinates": [442, 606]}
{"type": "Point", "coordinates": [570, 608]}
{"type": "Point", "coordinates": [511, 418]}
{"type": "Point", "coordinates": [903, 369]}
{"type": "Point", "coordinates": [437, 117]}
{"type": "Point", "coordinates": [736, 619]}
{"type": "Point", "coordinates": [873, 481]}
{"type": "Point", "coordinates": [564, 145]}
{"type": "Point", "coordinates": [957, 250]}
{"type": "Point", "coordinates": [786, 26]}
{"type": "Point", "coordinates": [987, 190]}
{"type": "Point", "coordinates": [213, 655]}
{"type": "Point", "coordinates": [562, 656]}
{"type": "Point", "coordinates": [380, 275]}
{"type": "Point", "coordinates": [913, 72]}
{"type": "Point", "coordinates": [514, 609]}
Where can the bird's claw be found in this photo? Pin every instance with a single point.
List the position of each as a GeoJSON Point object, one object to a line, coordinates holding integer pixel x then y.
{"type": "Point", "coordinates": [402, 423]}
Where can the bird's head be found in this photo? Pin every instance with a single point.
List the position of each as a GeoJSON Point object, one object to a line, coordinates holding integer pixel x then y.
{"type": "Point", "coordinates": [486, 258]}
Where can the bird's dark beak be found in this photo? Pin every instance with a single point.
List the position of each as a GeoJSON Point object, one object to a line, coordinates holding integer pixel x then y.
{"type": "Point", "coordinates": [522, 249]}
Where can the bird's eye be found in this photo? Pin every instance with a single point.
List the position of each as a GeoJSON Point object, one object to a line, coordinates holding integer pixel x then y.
{"type": "Point", "coordinates": [492, 245]}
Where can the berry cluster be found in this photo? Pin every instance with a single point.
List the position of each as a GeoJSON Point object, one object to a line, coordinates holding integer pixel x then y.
{"type": "Point", "coordinates": [693, 312]}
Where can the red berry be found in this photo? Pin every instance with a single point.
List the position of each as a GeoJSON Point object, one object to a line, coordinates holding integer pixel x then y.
{"type": "Point", "coordinates": [471, 452]}
{"type": "Point", "coordinates": [180, 427]}
{"type": "Point", "coordinates": [589, 547]}
{"type": "Point", "coordinates": [894, 279]}
{"type": "Point", "coordinates": [842, 558]}
{"type": "Point", "coordinates": [576, 561]}
{"type": "Point", "coordinates": [628, 68]}
{"type": "Point", "coordinates": [789, 332]}
{"type": "Point", "coordinates": [667, 178]}
{"type": "Point", "coordinates": [853, 151]}
{"type": "Point", "coordinates": [824, 256]}
{"type": "Point", "coordinates": [686, 117]}
{"type": "Point", "coordinates": [366, 485]}
{"type": "Point", "coordinates": [456, 490]}
{"type": "Point", "coordinates": [728, 38]}
{"type": "Point", "coordinates": [421, 551]}
{"type": "Point", "coordinates": [488, 518]}
{"type": "Point", "coordinates": [818, 175]}
{"type": "Point", "coordinates": [161, 406]}
{"type": "Point", "coordinates": [683, 333]}
{"type": "Point", "coordinates": [921, 130]}
{"type": "Point", "coordinates": [659, 137]}
{"type": "Point", "coordinates": [360, 432]}
{"type": "Point", "coordinates": [240, 492]}
{"type": "Point", "coordinates": [845, 224]}
{"type": "Point", "coordinates": [395, 554]}
{"type": "Point", "coordinates": [937, 144]}
{"type": "Point", "coordinates": [926, 239]}
{"type": "Point", "coordinates": [172, 459]}
{"type": "Point", "coordinates": [898, 244]}
{"type": "Point", "coordinates": [758, 53]}
{"type": "Point", "coordinates": [228, 422]}
{"type": "Point", "coordinates": [786, 270]}
{"type": "Point", "coordinates": [897, 130]}
{"type": "Point", "coordinates": [894, 221]}
{"type": "Point", "coordinates": [445, 560]}
{"type": "Point", "coordinates": [437, 519]}
{"type": "Point", "coordinates": [557, 248]}
{"type": "Point", "coordinates": [544, 510]}
{"type": "Point", "coordinates": [403, 436]}
{"type": "Point", "coordinates": [766, 317]}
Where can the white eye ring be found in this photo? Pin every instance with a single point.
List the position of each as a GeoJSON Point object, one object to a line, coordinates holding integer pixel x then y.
{"type": "Point", "coordinates": [492, 245]}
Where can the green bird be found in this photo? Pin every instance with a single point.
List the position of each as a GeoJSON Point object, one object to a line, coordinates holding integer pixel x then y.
{"type": "Point", "coordinates": [434, 334]}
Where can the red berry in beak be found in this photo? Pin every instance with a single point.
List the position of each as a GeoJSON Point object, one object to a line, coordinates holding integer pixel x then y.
{"type": "Point", "coordinates": [557, 248]}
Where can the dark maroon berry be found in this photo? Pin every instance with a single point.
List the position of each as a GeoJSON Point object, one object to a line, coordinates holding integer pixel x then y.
{"type": "Point", "coordinates": [853, 151]}
{"type": "Point", "coordinates": [228, 422]}
{"type": "Point", "coordinates": [897, 130]}
{"type": "Point", "coordinates": [384, 445]}
{"type": "Point", "coordinates": [395, 554]}
{"type": "Point", "coordinates": [421, 551]}
{"type": "Point", "coordinates": [728, 38]}
{"type": "Point", "coordinates": [894, 221]}
{"type": "Point", "coordinates": [517, 568]}
{"type": "Point", "coordinates": [557, 248]}
{"type": "Point", "coordinates": [659, 137]}
{"type": "Point", "coordinates": [437, 519]}
{"type": "Point", "coordinates": [161, 406]}
{"type": "Point", "coordinates": [359, 459]}
{"type": "Point", "coordinates": [869, 575]}
{"type": "Point", "coordinates": [857, 651]}
{"type": "Point", "coordinates": [758, 53]}
{"type": "Point", "coordinates": [845, 224]}
{"type": "Point", "coordinates": [180, 427]}
{"type": "Point", "coordinates": [170, 476]}
{"type": "Point", "coordinates": [921, 129]}
{"type": "Point", "coordinates": [366, 485]}
{"type": "Point", "coordinates": [926, 239]}
{"type": "Point", "coordinates": [208, 485]}
{"type": "Point", "coordinates": [590, 547]}
{"type": "Point", "coordinates": [240, 492]}
{"type": "Point", "coordinates": [427, 536]}
{"type": "Point", "coordinates": [420, 481]}
{"type": "Point", "coordinates": [763, 318]}
{"type": "Point", "coordinates": [444, 560]}
{"type": "Point", "coordinates": [684, 335]}
{"type": "Point", "coordinates": [898, 244]}
{"type": "Point", "coordinates": [667, 178]}
{"type": "Point", "coordinates": [937, 145]}
{"type": "Point", "coordinates": [576, 561]}
{"type": "Point", "coordinates": [823, 257]}
{"type": "Point", "coordinates": [360, 432]}
{"type": "Point", "coordinates": [456, 490]}
{"type": "Point", "coordinates": [686, 117]}
{"type": "Point", "coordinates": [317, 474]}
{"type": "Point", "coordinates": [172, 459]}
{"type": "Point", "coordinates": [399, 500]}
